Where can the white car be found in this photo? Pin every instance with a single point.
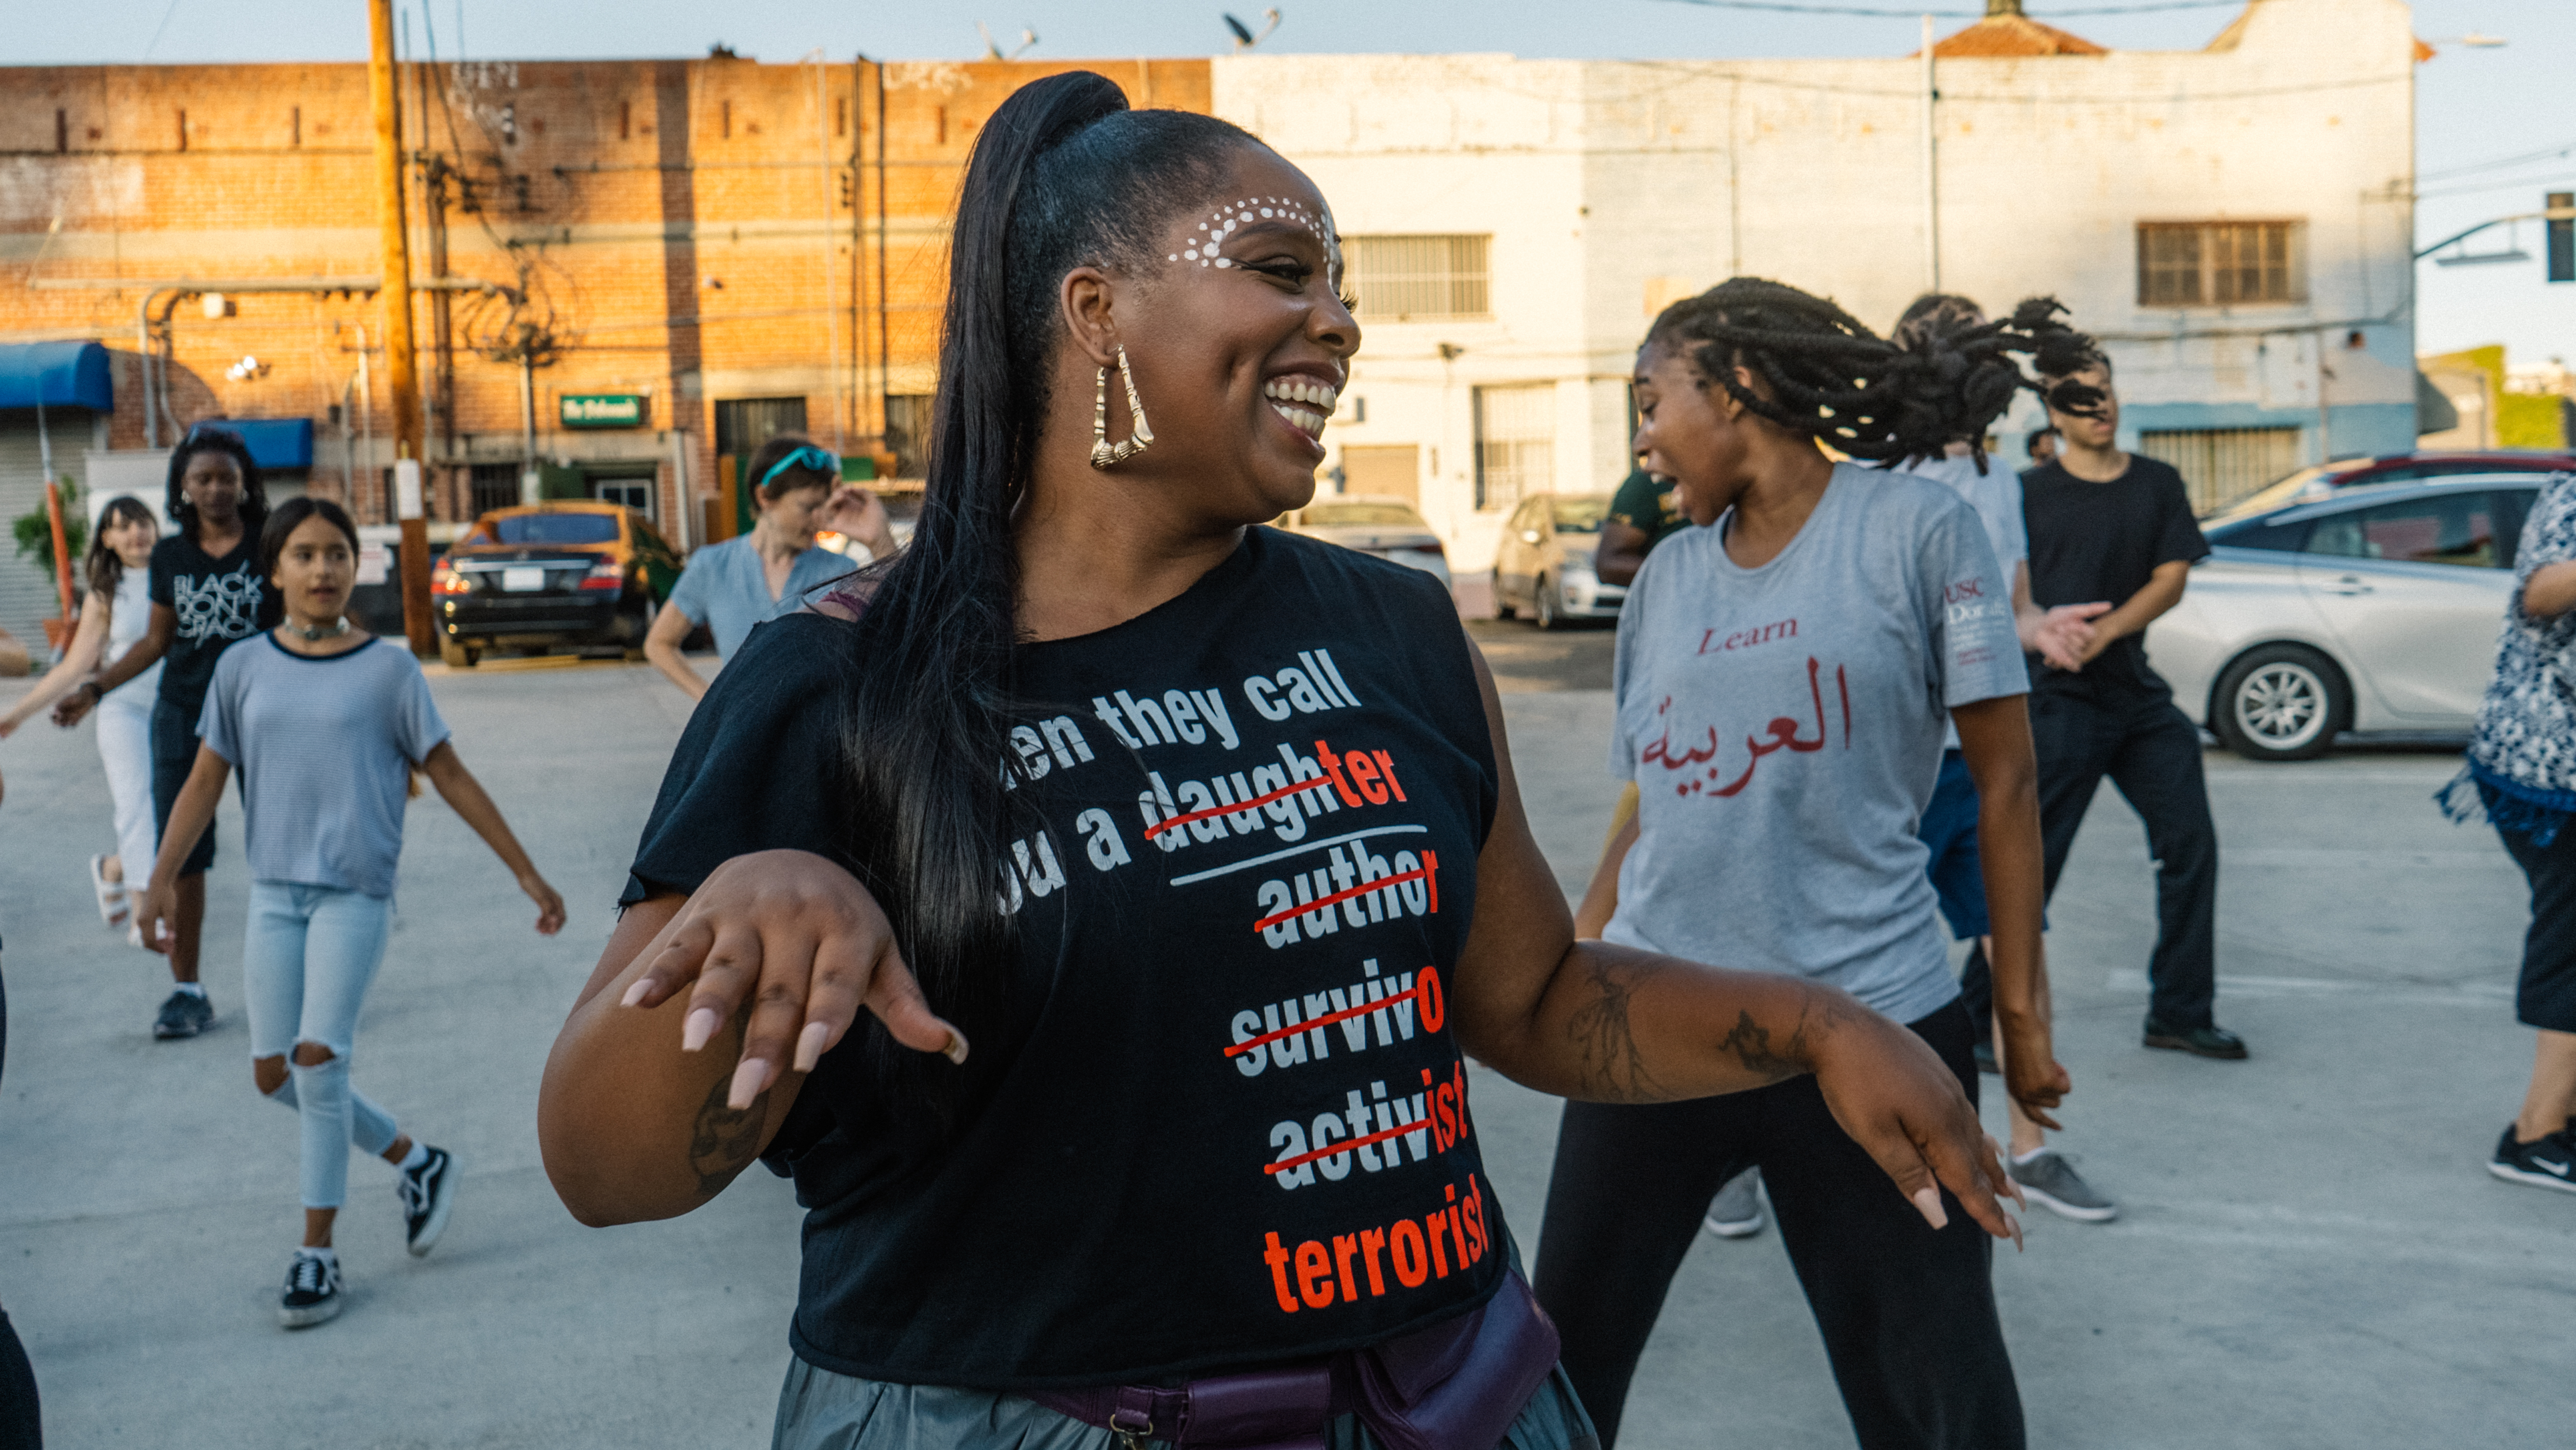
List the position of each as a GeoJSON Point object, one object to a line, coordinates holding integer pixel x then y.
{"type": "Point", "coordinates": [2377, 609]}
{"type": "Point", "coordinates": [1386, 527]}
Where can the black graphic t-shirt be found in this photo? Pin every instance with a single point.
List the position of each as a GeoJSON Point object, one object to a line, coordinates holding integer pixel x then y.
{"type": "Point", "coordinates": [1226, 1123]}
{"type": "Point", "coordinates": [218, 600]}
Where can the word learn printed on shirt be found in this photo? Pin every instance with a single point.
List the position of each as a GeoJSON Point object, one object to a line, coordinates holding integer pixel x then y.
{"type": "Point", "coordinates": [1269, 789]}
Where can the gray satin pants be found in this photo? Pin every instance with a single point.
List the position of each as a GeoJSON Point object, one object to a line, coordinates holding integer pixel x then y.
{"type": "Point", "coordinates": [821, 1410]}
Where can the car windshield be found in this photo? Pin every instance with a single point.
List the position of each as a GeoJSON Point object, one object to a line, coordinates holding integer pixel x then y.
{"type": "Point", "coordinates": [1581, 513]}
{"type": "Point", "coordinates": [2282, 492]}
{"type": "Point", "coordinates": [566, 528]}
{"type": "Point", "coordinates": [1361, 515]}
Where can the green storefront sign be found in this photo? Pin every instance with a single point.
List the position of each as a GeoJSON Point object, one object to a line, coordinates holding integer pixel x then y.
{"type": "Point", "coordinates": [602, 410]}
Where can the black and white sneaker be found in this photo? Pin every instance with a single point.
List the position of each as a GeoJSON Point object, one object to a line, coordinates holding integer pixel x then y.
{"type": "Point", "coordinates": [185, 1014]}
{"type": "Point", "coordinates": [428, 1195]}
{"type": "Point", "coordinates": [312, 1291]}
{"type": "Point", "coordinates": [2549, 1162]}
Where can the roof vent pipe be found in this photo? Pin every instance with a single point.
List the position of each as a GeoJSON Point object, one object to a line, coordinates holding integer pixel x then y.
{"type": "Point", "coordinates": [2002, 7]}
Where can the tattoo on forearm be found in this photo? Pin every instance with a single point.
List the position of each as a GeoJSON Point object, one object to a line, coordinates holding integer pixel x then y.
{"type": "Point", "coordinates": [1614, 1066]}
{"type": "Point", "coordinates": [723, 1141]}
{"type": "Point", "coordinates": [1750, 1041]}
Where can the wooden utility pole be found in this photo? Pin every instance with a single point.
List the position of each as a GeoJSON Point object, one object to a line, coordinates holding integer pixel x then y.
{"type": "Point", "coordinates": [395, 294]}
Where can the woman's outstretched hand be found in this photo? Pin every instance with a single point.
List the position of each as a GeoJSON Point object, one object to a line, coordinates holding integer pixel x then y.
{"type": "Point", "coordinates": [1892, 1093]}
{"type": "Point", "coordinates": [805, 946]}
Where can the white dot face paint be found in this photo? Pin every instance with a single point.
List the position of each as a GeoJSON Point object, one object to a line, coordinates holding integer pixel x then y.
{"type": "Point", "coordinates": [1228, 217]}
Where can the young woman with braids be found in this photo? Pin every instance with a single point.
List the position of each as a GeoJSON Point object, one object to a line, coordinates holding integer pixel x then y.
{"type": "Point", "coordinates": [1784, 678]}
{"type": "Point", "coordinates": [207, 594]}
{"type": "Point", "coordinates": [1204, 835]}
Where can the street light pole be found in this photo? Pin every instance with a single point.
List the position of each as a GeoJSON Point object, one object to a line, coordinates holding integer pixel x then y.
{"type": "Point", "coordinates": [394, 290]}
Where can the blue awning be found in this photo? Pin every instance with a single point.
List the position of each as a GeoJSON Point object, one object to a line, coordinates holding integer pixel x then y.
{"type": "Point", "coordinates": [275, 443]}
{"type": "Point", "coordinates": [56, 375]}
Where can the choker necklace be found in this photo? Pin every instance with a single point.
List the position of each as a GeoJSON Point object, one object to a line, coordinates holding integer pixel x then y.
{"type": "Point", "coordinates": [338, 628]}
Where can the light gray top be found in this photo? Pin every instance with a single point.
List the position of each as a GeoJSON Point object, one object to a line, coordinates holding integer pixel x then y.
{"type": "Point", "coordinates": [325, 748]}
{"type": "Point", "coordinates": [726, 589]}
{"type": "Point", "coordinates": [1784, 724]}
{"type": "Point", "coordinates": [1996, 496]}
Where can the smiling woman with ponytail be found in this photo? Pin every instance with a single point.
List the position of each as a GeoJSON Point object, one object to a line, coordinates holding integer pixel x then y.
{"type": "Point", "coordinates": [1204, 836]}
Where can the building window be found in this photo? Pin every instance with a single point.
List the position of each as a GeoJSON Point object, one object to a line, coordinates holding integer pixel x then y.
{"type": "Point", "coordinates": [2222, 465]}
{"type": "Point", "coordinates": [907, 433]}
{"type": "Point", "coordinates": [1418, 279]}
{"type": "Point", "coordinates": [493, 486]}
{"type": "Point", "coordinates": [2220, 264]}
{"type": "Point", "coordinates": [1515, 443]}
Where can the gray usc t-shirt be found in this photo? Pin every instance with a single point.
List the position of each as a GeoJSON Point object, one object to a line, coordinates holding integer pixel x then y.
{"type": "Point", "coordinates": [1783, 726]}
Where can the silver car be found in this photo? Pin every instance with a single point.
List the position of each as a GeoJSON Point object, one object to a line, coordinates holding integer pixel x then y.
{"type": "Point", "coordinates": [2377, 609]}
{"type": "Point", "coordinates": [1544, 561]}
{"type": "Point", "coordinates": [1386, 527]}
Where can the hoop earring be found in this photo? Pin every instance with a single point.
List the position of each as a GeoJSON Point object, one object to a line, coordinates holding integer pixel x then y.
{"type": "Point", "coordinates": [1103, 452]}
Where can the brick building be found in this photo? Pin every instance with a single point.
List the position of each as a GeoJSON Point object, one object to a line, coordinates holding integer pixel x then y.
{"type": "Point", "coordinates": [623, 270]}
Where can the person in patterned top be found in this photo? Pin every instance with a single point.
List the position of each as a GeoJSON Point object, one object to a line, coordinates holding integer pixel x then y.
{"type": "Point", "coordinates": [2521, 775]}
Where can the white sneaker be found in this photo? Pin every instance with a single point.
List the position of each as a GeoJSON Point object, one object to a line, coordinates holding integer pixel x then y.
{"type": "Point", "coordinates": [1736, 1212]}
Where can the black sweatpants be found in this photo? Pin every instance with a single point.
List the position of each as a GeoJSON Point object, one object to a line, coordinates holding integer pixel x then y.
{"type": "Point", "coordinates": [2151, 751]}
{"type": "Point", "coordinates": [1908, 1313]}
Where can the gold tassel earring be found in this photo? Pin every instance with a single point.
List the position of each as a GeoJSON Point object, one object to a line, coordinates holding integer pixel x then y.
{"type": "Point", "coordinates": [1103, 452]}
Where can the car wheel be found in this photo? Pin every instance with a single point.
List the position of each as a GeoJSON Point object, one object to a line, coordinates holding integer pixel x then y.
{"type": "Point", "coordinates": [1543, 604]}
{"type": "Point", "coordinates": [2280, 702]}
{"type": "Point", "coordinates": [1502, 607]}
{"type": "Point", "coordinates": [457, 656]}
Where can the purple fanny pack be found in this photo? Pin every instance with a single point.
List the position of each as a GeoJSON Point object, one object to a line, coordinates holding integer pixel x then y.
{"type": "Point", "coordinates": [1454, 1386]}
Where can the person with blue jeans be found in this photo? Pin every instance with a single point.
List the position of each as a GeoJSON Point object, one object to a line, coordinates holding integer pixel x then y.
{"type": "Point", "coordinates": [326, 724]}
{"type": "Point", "coordinates": [744, 581]}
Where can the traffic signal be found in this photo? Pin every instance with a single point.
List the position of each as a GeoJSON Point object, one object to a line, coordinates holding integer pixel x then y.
{"type": "Point", "coordinates": [2561, 225]}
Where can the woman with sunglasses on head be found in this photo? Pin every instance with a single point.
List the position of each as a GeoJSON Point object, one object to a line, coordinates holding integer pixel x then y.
{"type": "Point", "coordinates": [207, 594]}
{"type": "Point", "coordinates": [1784, 677]}
{"type": "Point", "coordinates": [731, 586]}
{"type": "Point", "coordinates": [112, 623]}
{"type": "Point", "coordinates": [326, 724]}
{"type": "Point", "coordinates": [1204, 835]}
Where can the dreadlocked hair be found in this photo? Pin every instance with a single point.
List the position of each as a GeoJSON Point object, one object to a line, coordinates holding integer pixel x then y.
{"type": "Point", "coordinates": [1830, 377]}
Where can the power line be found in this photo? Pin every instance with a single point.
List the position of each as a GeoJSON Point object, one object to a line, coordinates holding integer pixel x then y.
{"type": "Point", "coordinates": [2498, 164]}
{"type": "Point", "coordinates": [155, 41]}
{"type": "Point", "coordinates": [1784, 7]}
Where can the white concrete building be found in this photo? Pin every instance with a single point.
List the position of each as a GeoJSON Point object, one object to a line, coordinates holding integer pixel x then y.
{"type": "Point", "coordinates": [2234, 222]}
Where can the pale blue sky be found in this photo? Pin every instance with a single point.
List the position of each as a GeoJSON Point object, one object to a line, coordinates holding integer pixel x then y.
{"type": "Point", "coordinates": [2473, 105]}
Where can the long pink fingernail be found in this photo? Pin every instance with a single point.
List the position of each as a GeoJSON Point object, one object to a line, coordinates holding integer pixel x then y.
{"type": "Point", "coordinates": [1927, 1201]}
{"type": "Point", "coordinates": [809, 1045]}
{"type": "Point", "coordinates": [2015, 1225]}
{"type": "Point", "coordinates": [955, 1051]}
{"type": "Point", "coordinates": [748, 1080]}
{"type": "Point", "coordinates": [635, 994]}
{"type": "Point", "coordinates": [700, 1026]}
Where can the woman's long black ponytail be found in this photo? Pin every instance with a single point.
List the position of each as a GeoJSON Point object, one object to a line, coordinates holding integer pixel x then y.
{"type": "Point", "coordinates": [1063, 175]}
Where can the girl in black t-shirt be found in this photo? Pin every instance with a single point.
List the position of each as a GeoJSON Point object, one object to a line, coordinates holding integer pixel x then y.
{"type": "Point", "coordinates": [207, 593]}
{"type": "Point", "coordinates": [1205, 836]}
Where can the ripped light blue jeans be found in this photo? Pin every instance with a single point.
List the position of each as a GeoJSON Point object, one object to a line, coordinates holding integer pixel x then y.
{"type": "Point", "coordinates": [307, 959]}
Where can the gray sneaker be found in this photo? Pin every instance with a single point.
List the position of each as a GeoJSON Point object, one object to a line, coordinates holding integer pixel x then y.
{"type": "Point", "coordinates": [1736, 1212]}
{"type": "Point", "coordinates": [185, 1014]}
{"type": "Point", "coordinates": [2051, 1182]}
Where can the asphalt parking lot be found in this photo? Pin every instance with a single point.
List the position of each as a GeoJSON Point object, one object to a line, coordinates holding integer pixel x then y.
{"type": "Point", "coordinates": [2309, 1253]}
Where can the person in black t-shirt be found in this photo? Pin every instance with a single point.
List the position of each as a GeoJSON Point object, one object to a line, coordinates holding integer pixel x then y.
{"type": "Point", "coordinates": [1206, 836]}
{"type": "Point", "coordinates": [2107, 525]}
{"type": "Point", "coordinates": [207, 592]}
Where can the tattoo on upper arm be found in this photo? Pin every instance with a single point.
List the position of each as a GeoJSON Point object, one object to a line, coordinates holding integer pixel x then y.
{"type": "Point", "coordinates": [1614, 1066]}
{"type": "Point", "coordinates": [723, 1140]}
